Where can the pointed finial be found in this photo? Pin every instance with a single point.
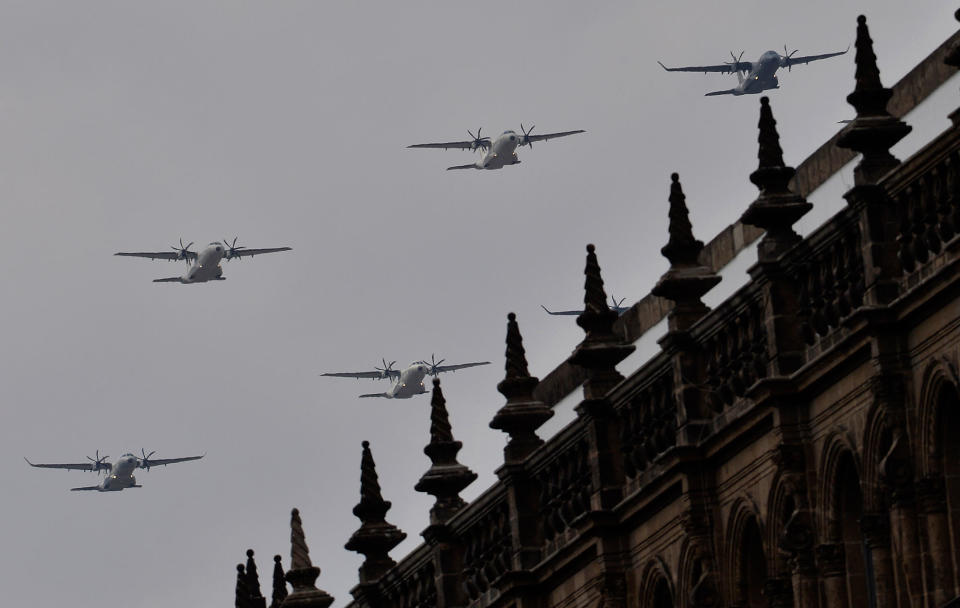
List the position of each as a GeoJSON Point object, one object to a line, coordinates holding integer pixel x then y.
{"type": "Point", "coordinates": [370, 497]}
{"type": "Point", "coordinates": [867, 73]}
{"type": "Point", "coordinates": [682, 249]}
{"type": "Point", "coordinates": [303, 574]}
{"type": "Point", "coordinates": [440, 429]}
{"type": "Point", "coordinates": [446, 477]}
{"type": "Point", "coordinates": [375, 537]}
{"type": "Point", "coordinates": [777, 209]}
{"type": "Point", "coordinates": [594, 297]}
{"type": "Point", "coordinates": [279, 585]}
{"type": "Point", "coordinates": [523, 414]}
{"type": "Point", "coordinates": [299, 552]}
{"type": "Point", "coordinates": [953, 56]}
{"type": "Point", "coordinates": [874, 131]}
{"type": "Point", "coordinates": [516, 356]}
{"type": "Point", "coordinates": [687, 280]}
{"type": "Point", "coordinates": [770, 153]}
{"type": "Point", "coordinates": [601, 348]}
{"type": "Point", "coordinates": [253, 579]}
{"type": "Point", "coordinates": [241, 596]}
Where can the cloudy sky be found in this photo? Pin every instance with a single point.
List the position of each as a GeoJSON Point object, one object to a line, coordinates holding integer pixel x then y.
{"type": "Point", "coordinates": [125, 126]}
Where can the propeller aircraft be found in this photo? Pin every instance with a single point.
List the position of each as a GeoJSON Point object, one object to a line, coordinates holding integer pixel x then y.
{"type": "Point", "coordinates": [755, 76]}
{"type": "Point", "coordinates": [204, 265]}
{"type": "Point", "coordinates": [499, 152]}
{"type": "Point", "coordinates": [119, 475]}
{"type": "Point", "coordinates": [406, 382]}
{"type": "Point", "coordinates": [617, 306]}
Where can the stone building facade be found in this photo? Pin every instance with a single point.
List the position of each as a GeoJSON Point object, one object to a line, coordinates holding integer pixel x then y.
{"type": "Point", "coordinates": [798, 445]}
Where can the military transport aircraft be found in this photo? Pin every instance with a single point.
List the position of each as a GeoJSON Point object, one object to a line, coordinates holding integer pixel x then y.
{"type": "Point", "coordinates": [406, 382]}
{"type": "Point", "coordinates": [119, 475]}
{"type": "Point", "coordinates": [617, 306]}
{"type": "Point", "coordinates": [499, 152]}
{"type": "Point", "coordinates": [757, 76]}
{"type": "Point", "coordinates": [204, 265]}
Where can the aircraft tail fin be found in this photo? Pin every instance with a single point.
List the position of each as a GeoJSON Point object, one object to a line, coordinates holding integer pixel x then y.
{"type": "Point", "coordinates": [168, 280]}
{"type": "Point", "coordinates": [85, 488]}
{"type": "Point", "coordinates": [384, 395]}
{"type": "Point", "coordinates": [727, 92]}
{"type": "Point", "coordinates": [470, 166]}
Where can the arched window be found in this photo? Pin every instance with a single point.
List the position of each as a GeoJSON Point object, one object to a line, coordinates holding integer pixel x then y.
{"type": "Point", "coordinates": [662, 598]}
{"type": "Point", "coordinates": [753, 566]}
{"type": "Point", "coordinates": [860, 590]}
{"type": "Point", "coordinates": [948, 453]}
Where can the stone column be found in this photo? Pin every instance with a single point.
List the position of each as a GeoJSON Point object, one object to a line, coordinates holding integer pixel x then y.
{"type": "Point", "coordinates": [598, 354]}
{"type": "Point", "coordinates": [376, 536]}
{"type": "Point", "coordinates": [872, 133]}
{"type": "Point", "coordinates": [832, 566]}
{"type": "Point", "coordinates": [776, 210]}
{"type": "Point", "coordinates": [932, 501]}
{"type": "Point", "coordinates": [875, 528]}
{"type": "Point", "coordinates": [685, 283]}
{"type": "Point", "coordinates": [520, 417]}
{"type": "Point", "coordinates": [444, 480]}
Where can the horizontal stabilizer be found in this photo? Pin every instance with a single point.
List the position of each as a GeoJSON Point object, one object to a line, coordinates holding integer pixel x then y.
{"type": "Point", "coordinates": [85, 488]}
{"type": "Point", "coordinates": [561, 312]}
{"type": "Point", "coordinates": [470, 166]}
{"type": "Point", "coordinates": [168, 280]}
{"type": "Point", "coordinates": [384, 395]}
{"type": "Point", "coordinates": [727, 92]}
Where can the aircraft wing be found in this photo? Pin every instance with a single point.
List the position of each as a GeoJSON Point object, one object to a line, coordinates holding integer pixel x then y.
{"type": "Point", "coordinates": [547, 136]}
{"type": "Point", "coordinates": [453, 368]}
{"type": "Point", "coordinates": [809, 58]}
{"type": "Point", "coordinates": [723, 68]}
{"type": "Point", "coordinates": [242, 253]}
{"type": "Point", "coordinates": [72, 466]}
{"type": "Point", "coordinates": [458, 145]}
{"type": "Point", "coordinates": [171, 256]}
{"type": "Point", "coordinates": [155, 462]}
{"type": "Point", "coordinates": [85, 488]}
{"type": "Point", "coordinates": [384, 395]}
{"type": "Point", "coordinates": [371, 375]}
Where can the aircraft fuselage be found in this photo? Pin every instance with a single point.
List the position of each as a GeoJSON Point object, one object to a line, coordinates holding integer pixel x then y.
{"type": "Point", "coordinates": [121, 475]}
{"type": "Point", "coordinates": [207, 265]}
{"type": "Point", "coordinates": [502, 152]}
{"type": "Point", "coordinates": [409, 383]}
{"type": "Point", "coordinates": [762, 77]}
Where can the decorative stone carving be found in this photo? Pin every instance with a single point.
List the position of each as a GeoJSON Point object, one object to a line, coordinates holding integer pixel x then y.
{"type": "Point", "coordinates": [446, 477]}
{"type": "Point", "coordinates": [523, 414]}
{"type": "Point", "coordinates": [376, 537]}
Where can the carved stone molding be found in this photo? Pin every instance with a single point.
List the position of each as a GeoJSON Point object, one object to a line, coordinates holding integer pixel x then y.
{"type": "Point", "coordinates": [931, 495]}
{"type": "Point", "coordinates": [779, 592]}
{"type": "Point", "coordinates": [831, 560]}
{"type": "Point", "coordinates": [876, 529]}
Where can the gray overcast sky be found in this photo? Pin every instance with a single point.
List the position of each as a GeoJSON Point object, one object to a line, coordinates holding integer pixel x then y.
{"type": "Point", "coordinates": [125, 126]}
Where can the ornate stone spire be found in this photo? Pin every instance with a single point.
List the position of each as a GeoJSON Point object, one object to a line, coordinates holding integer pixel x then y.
{"type": "Point", "coordinates": [953, 56]}
{"type": "Point", "coordinates": [687, 279]}
{"type": "Point", "coordinates": [601, 349]}
{"type": "Point", "coordinates": [874, 131]}
{"type": "Point", "coordinates": [446, 477]}
{"type": "Point", "coordinates": [522, 415]}
{"type": "Point", "coordinates": [241, 596]}
{"type": "Point", "coordinates": [279, 585]}
{"type": "Point", "coordinates": [375, 537]}
{"type": "Point", "coordinates": [777, 208]}
{"type": "Point", "coordinates": [253, 583]}
{"type": "Point", "coordinates": [303, 574]}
